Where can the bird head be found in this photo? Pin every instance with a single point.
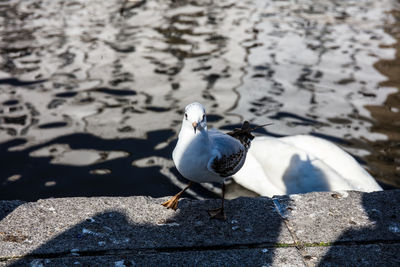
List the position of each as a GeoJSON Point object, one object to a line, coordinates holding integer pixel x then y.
{"type": "Point", "coordinates": [195, 117]}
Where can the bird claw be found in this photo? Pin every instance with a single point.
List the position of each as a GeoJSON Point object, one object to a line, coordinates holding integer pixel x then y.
{"type": "Point", "coordinates": [172, 203]}
{"type": "Point", "coordinates": [218, 214]}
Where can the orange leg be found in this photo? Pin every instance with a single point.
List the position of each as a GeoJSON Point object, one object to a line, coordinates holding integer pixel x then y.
{"type": "Point", "coordinates": [172, 203]}
{"type": "Point", "coordinates": [219, 213]}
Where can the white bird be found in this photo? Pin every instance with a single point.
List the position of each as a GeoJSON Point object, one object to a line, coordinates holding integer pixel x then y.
{"type": "Point", "coordinates": [301, 164]}
{"type": "Point", "coordinates": [208, 156]}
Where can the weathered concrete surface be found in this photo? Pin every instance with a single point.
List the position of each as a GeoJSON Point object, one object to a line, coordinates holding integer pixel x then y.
{"type": "Point", "coordinates": [297, 230]}
{"type": "Point", "coordinates": [232, 257]}
{"type": "Point", "coordinates": [354, 255]}
{"type": "Point", "coordinates": [343, 217]}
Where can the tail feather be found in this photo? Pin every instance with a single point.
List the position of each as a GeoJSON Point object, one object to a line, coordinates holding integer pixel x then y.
{"type": "Point", "coordinates": [244, 134]}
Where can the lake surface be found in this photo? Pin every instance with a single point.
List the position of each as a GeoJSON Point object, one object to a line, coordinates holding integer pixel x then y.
{"type": "Point", "coordinates": [92, 92]}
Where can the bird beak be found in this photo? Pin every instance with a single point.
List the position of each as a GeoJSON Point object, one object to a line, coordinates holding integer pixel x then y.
{"type": "Point", "coordinates": [194, 124]}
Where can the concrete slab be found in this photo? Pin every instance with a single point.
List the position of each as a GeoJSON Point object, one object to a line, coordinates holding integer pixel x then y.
{"type": "Point", "coordinates": [339, 217]}
{"type": "Point", "coordinates": [354, 255]}
{"type": "Point", "coordinates": [59, 226]}
{"type": "Point", "coordinates": [7, 206]}
{"type": "Point", "coordinates": [235, 257]}
{"type": "Point", "coordinates": [339, 229]}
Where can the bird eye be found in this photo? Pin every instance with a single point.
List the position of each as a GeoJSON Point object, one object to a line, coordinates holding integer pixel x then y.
{"type": "Point", "coordinates": [185, 115]}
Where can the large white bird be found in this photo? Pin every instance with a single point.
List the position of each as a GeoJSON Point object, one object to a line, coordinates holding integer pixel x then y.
{"type": "Point", "coordinates": [208, 156]}
{"type": "Point", "coordinates": [301, 164]}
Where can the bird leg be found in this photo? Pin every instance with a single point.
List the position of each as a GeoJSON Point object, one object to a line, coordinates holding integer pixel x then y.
{"type": "Point", "coordinates": [172, 203]}
{"type": "Point", "coordinates": [219, 213]}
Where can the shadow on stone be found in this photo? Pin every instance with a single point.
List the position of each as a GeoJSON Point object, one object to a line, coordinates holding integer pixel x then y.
{"type": "Point", "coordinates": [138, 230]}
{"type": "Point", "coordinates": [302, 176]}
{"type": "Point", "coordinates": [373, 244]}
{"type": "Point", "coordinates": [8, 206]}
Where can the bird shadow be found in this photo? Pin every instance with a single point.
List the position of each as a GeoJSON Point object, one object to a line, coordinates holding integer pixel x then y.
{"type": "Point", "coordinates": [301, 175]}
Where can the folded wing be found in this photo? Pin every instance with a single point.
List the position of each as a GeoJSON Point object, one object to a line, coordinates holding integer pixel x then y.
{"type": "Point", "coordinates": [229, 154]}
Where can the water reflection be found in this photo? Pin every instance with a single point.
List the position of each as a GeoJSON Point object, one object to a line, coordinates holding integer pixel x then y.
{"type": "Point", "coordinates": [313, 71]}
{"type": "Point", "coordinates": [68, 166]}
{"type": "Point", "coordinates": [117, 72]}
{"type": "Point", "coordinates": [385, 157]}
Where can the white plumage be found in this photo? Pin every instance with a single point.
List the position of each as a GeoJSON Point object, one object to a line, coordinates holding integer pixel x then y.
{"type": "Point", "coordinates": [206, 156]}
{"type": "Point", "coordinates": [274, 166]}
{"type": "Point", "coordinates": [301, 164]}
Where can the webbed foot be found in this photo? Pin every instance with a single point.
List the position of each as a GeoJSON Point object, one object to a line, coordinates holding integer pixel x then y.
{"type": "Point", "coordinates": [172, 203]}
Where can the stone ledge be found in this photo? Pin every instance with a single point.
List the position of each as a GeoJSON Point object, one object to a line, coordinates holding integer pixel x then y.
{"type": "Point", "coordinates": [298, 230]}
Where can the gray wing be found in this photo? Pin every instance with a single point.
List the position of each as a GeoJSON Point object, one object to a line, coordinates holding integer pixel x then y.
{"type": "Point", "coordinates": [229, 154]}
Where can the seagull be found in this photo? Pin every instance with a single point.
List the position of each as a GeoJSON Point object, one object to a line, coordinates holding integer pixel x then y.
{"type": "Point", "coordinates": [205, 156]}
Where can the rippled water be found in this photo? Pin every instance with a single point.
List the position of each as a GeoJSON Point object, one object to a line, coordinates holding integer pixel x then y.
{"type": "Point", "coordinates": [92, 92]}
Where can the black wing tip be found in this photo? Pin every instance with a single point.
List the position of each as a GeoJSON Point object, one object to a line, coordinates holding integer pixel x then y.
{"type": "Point", "coordinates": [246, 127]}
{"type": "Point", "coordinates": [244, 133]}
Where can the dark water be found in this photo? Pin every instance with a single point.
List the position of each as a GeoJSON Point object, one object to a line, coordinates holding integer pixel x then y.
{"type": "Point", "coordinates": [92, 92]}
